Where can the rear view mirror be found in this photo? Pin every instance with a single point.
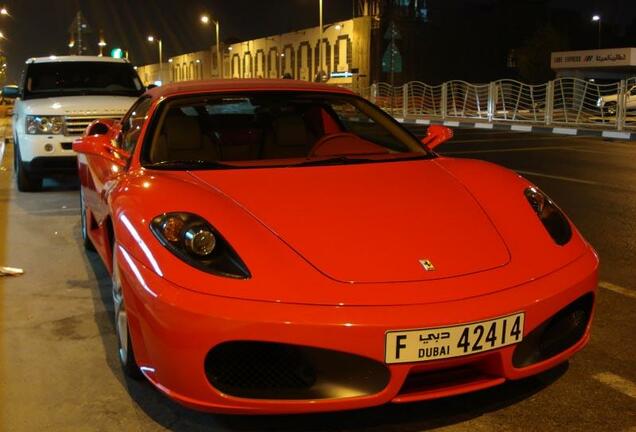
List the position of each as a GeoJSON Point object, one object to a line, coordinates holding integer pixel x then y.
{"type": "Point", "coordinates": [10, 92]}
{"type": "Point", "coordinates": [436, 135]}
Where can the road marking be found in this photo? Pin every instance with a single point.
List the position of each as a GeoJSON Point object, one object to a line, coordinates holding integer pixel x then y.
{"type": "Point", "coordinates": [575, 180]}
{"type": "Point", "coordinates": [556, 177]}
{"type": "Point", "coordinates": [484, 126]}
{"type": "Point", "coordinates": [617, 289]}
{"type": "Point", "coordinates": [617, 383]}
{"type": "Point", "coordinates": [424, 122]}
{"type": "Point", "coordinates": [451, 123]}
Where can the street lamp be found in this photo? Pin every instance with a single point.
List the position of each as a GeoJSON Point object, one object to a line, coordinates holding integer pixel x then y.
{"type": "Point", "coordinates": [4, 11]}
{"type": "Point", "coordinates": [102, 43]}
{"type": "Point", "coordinates": [597, 18]}
{"type": "Point", "coordinates": [205, 19]}
{"type": "Point", "coordinates": [151, 39]}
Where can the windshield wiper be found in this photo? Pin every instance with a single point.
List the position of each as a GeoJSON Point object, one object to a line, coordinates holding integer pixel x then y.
{"type": "Point", "coordinates": [189, 165]}
{"type": "Point", "coordinates": [347, 160]}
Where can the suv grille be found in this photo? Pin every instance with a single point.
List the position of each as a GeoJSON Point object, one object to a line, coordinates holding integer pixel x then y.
{"type": "Point", "coordinates": [76, 124]}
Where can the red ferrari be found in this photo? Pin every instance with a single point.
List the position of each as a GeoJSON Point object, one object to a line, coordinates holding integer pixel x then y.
{"type": "Point", "coordinates": [286, 247]}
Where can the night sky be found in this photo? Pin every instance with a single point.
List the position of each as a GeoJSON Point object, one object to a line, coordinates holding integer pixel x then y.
{"type": "Point", "coordinates": [40, 27]}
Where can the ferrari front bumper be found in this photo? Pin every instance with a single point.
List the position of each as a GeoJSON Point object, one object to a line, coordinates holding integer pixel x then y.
{"type": "Point", "coordinates": [174, 331]}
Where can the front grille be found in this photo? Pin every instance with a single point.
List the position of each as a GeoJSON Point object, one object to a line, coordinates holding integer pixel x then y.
{"type": "Point", "coordinates": [253, 365]}
{"type": "Point", "coordinates": [263, 370]}
{"type": "Point", "coordinates": [77, 124]}
{"type": "Point", "coordinates": [556, 335]}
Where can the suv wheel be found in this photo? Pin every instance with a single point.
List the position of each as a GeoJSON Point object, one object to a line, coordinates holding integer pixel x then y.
{"type": "Point", "coordinates": [26, 182]}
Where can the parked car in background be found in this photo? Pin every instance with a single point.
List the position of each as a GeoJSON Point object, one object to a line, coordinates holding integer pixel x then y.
{"type": "Point", "coordinates": [288, 247]}
{"type": "Point", "coordinates": [609, 103]}
{"type": "Point", "coordinates": [57, 98]}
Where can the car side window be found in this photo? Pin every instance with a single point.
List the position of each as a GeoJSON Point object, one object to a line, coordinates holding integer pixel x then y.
{"type": "Point", "coordinates": [132, 123]}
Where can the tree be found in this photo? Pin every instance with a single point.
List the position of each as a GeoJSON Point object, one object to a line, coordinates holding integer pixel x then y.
{"type": "Point", "coordinates": [533, 59]}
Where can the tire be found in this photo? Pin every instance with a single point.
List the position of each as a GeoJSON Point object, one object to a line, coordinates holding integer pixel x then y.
{"type": "Point", "coordinates": [125, 351]}
{"type": "Point", "coordinates": [610, 109]}
{"type": "Point", "coordinates": [86, 241]}
{"type": "Point", "coordinates": [26, 182]}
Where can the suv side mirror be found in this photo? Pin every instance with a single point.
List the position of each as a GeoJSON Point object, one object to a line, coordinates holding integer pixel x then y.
{"type": "Point", "coordinates": [10, 92]}
{"type": "Point", "coordinates": [436, 135]}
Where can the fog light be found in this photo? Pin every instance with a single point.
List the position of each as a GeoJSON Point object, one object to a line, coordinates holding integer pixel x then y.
{"type": "Point", "coordinates": [48, 147]}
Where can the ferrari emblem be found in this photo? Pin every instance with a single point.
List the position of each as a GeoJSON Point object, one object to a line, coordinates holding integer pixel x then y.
{"type": "Point", "coordinates": [428, 266]}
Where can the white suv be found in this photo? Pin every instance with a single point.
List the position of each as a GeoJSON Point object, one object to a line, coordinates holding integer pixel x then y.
{"type": "Point", "coordinates": [57, 98]}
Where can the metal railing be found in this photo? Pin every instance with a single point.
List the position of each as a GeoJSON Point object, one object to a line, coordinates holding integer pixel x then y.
{"type": "Point", "coordinates": [564, 102]}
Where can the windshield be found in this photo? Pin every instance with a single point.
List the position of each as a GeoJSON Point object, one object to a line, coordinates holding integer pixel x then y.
{"type": "Point", "coordinates": [81, 78]}
{"type": "Point", "coordinates": [268, 129]}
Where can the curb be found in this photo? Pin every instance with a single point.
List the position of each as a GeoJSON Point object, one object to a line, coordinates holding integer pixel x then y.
{"type": "Point", "coordinates": [627, 136]}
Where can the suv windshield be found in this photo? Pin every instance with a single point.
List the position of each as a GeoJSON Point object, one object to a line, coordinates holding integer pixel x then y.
{"type": "Point", "coordinates": [267, 129]}
{"type": "Point", "coordinates": [81, 78]}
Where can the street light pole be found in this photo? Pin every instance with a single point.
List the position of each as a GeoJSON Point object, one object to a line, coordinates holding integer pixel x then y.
{"type": "Point", "coordinates": [320, 44]}
{"type": "Point", "coordinates": [598, 19]}
{"type": "Point", "coordinates": [219, 59]}
{"type": "Point", "coordinates": [160, 44]}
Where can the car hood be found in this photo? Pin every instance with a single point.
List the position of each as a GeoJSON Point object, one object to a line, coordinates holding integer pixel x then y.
{"type": "Point", "coordinates": [78, 105]}
{"type": "Point", "coordinates": [373, 222]}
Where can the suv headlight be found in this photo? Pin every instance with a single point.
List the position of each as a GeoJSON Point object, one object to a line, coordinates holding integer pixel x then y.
{"type": "Point", "coordinates": [193, 240]}
{"type": "Point", "coordinates": [550, 216]}
{"type": "Point", "coordinates": [44, 125]}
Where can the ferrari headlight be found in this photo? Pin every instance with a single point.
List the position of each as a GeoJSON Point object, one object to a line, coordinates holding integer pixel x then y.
{"type": "Point", "coordinates": [550, 216]}
{"type": "Point", "coordinates": [44, 125]}
{"type": "Point", "coordinates": [193, 240]}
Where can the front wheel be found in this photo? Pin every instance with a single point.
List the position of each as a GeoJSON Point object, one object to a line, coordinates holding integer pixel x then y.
{"type": "Point", "coordinates": [610, 109]}
{"type": "Point", "coordinates": [26, 182]}
{"type": "Point", "coordinates": [124, 345]}
{"type": "Point", "coordinates": [88, 244]}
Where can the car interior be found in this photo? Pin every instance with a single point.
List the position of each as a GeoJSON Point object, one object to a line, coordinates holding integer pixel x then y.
{"type": "Point", "coordinates": [237, 130]}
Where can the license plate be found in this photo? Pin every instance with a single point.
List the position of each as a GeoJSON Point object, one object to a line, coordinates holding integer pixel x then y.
{"type": "Point", "coordinates": [407, 346]}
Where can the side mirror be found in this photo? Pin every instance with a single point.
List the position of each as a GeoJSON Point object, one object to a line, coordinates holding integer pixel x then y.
{"type": "Point", "coordinates": [151, 86]}
{"type": "Point", "coordinates": [101, 145]}
{"type": "Point", "coordinates": [100, 127]}
{"type": "Point", "coordinates": [436, 135]}
{"type": "Point", "coordinates": [10, 92]}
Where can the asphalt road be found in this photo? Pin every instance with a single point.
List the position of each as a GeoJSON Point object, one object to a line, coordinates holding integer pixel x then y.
{"type": "Point", "coordinates": [59, 371]}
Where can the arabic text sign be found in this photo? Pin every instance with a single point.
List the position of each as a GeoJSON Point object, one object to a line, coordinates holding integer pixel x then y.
{"type": "Point", "coordinates": [594, 58]}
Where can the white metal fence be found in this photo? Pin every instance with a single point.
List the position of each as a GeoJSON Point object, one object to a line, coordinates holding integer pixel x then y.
{"type": "Point", "coordinates": [568, 102]}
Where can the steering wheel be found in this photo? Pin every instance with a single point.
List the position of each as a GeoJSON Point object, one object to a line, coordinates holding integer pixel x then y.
{"type": "Point", "coordinates": [328, 144]}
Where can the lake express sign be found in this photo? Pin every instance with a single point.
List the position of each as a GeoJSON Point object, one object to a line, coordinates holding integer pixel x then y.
{"type": "Point", "coordinates": [616, 57]}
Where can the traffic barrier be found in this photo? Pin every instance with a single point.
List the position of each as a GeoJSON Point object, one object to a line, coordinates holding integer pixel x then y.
{"type": "Point", "coordinates": [563, 102]}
